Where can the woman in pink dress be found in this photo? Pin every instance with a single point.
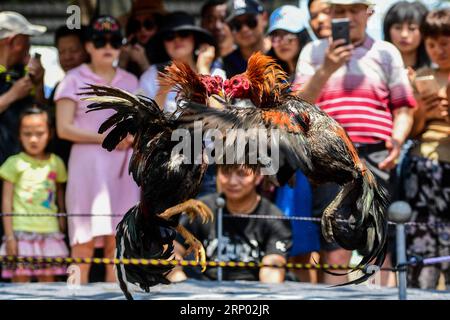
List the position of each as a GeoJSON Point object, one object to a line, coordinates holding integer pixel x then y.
{"type": "Point", "coordinates": [98, 180]}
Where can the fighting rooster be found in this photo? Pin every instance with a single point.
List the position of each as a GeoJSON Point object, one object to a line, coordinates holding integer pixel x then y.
{"type": "Point", "coordinates": [167, 184]}
{"type": "Point", "coordinates": [318, 146]}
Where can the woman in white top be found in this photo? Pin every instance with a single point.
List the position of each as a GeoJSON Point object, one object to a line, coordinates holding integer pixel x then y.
{"type": "Point", "coordinates": [178, 40]}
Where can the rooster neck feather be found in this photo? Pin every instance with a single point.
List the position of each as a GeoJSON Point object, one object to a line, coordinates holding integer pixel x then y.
{"type": "Point", "coordinates": [268, 81]}
{"type": "Point", "coordinates": [185, 81]}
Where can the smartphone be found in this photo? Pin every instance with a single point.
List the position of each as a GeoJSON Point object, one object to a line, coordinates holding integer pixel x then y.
{"type": "Point", "coordinates": [427, 85]}
{"type": "Point", "coordinates": [340, 29]}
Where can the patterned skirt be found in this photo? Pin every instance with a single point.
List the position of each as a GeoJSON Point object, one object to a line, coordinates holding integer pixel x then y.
{"type": "Point", "coordinates": [427, 189]}
{"type": "Point", "coordinates": [32, 244]}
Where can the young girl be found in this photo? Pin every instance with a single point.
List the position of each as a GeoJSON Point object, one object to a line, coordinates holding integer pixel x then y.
{"type": "Point", "coordinates": [32, 184]}
{"type": "Point", "coordinates": [288, 37]}
{"type": "Point", "coordinates": [401, 27]}
{"type": "Point", "coordinates": [98, 183]}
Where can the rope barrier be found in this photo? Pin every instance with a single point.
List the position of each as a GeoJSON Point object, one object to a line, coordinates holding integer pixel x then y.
{"type": "Point", "coordinates": [234, 216]}
{"type": "Point", "coordinates": [184, 263]}
{"type": "Point", "coordinates": [415, 260]}
{"type": "Point", "coordinates": [225, 264]}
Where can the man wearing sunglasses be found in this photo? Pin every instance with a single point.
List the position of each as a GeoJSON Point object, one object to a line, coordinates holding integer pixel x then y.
{"type": "Point", "coordinates": [247, 20]}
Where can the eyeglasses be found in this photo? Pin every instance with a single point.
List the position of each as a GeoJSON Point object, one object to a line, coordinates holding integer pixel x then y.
{"type": "Point", "coordinates": [282, 38]}
{"type": "Point", "coordinates": [237, 25]}
{"type": "Point", "coordinates": [100, 42]}
{"type": "Point", "coordinates": [136, 25]}
{"type": "Point", "coordinates": [170, 36]}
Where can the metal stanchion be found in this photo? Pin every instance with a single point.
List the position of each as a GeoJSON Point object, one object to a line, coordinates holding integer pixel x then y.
{"type": "Point", "coordinates": [400, 212]}
{"type": "Point", "coordinates": [220, 202]}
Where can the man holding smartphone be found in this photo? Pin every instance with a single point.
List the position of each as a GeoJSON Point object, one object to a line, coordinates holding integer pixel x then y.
{"type": "Point", "coordinates": [362, 84]}
{"type": "Point", "coordinates": [21, 77]}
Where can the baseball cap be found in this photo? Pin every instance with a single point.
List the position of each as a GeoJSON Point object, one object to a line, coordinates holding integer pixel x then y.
{"type": "Point", "coordinates": [13, 23]}
{"type": "Point", "coordinates": [348, 2]}
{"type": "Point", "coordinates": [238, 8]}
{"type": "Point", "coordinates": [102, 25]}
{"type": "Point", "coordinates": [289, 18]}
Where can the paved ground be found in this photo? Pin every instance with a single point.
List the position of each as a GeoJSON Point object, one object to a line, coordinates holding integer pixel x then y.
{"type": "Point", "coordinates": [197, 290]}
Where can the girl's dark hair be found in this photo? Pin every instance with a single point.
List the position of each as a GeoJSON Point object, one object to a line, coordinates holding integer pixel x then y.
{"type": "Point", "coordinates": [35, 110]}
{"type": "Point", "coordinates": [408, 12]}
{"type": "Point", "coordinates": [437, 23]}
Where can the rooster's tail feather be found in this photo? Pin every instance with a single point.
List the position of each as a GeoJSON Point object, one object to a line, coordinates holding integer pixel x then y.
{"type": "Point", "coordinates": [363, 203]}
{"type": "Point", "coordinates": [135, 241]}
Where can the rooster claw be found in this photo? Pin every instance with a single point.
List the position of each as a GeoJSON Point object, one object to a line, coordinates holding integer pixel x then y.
{"type": "Point", "coordinates": [200, 253]}
{"type": "Point", "coordinates": [194, 246]}
{"type": "Point", "coordinates": [192, 208]}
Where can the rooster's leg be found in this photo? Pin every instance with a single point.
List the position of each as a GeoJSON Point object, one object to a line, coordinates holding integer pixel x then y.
{"type": "Point", "coordinates": [194, 246]}
{"type": "Point", "coordinates": [192, 208]}
{"type": "Point", "coordinates": [328, 214]}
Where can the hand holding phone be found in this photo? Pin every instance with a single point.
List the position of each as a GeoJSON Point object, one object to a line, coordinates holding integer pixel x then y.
{"type": "Point", "coordinates": [427, 85]}
{"type": "Point", "coordinates": [341, 30]}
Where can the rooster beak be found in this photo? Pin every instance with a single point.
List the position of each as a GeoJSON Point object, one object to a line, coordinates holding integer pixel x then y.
{"type": "Point", "coordinates": [219, 97]}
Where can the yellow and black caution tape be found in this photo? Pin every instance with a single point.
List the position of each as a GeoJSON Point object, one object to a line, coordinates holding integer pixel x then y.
{"type": "Point", "coordinates": [183, 263]}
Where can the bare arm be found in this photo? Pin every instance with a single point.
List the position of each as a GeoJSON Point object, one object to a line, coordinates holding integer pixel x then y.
{"type": "Point", "coordinates": [403, 122]}
{"type": "Point", "coordinates": [205, 58]}
{"type": "Point", "coordinates": [65, 114]}
{"type": "Point", "coordinates": [336, 56]}
{"type": "Point", "coordinates": [7, 207]}
{"type": "Point", "coordinates": [312, 89]}
{"type": "Point", "coordinates": [61, 206]}
{"type": "Point", "coordinates": [272, 275]}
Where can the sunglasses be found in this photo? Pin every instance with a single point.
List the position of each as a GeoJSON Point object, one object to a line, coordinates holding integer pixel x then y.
{"type": "Point", "coordinates": [136, 25]}
{"type": "Point", "coordinates": [115, 41]}
{"type": "Point", "coordinates": [282, 38]}
{"type": "Point", "coordinates": [170, 36]}
{"type": "Point", "coordinates": [237, 25]}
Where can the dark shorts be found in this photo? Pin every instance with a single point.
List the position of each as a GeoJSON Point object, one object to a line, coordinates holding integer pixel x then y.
{"type": "Point", "coordinates": [372, 155]}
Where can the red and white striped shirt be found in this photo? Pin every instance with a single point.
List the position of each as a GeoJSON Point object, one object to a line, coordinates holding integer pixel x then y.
{"type": "Point", "coordinates": [362, 94]}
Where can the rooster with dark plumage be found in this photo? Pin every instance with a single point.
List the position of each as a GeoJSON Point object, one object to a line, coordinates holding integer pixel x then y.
{"type": "Point", "coordinates": [314, 142]}
{"type": "Point", "coordinates": [168, 184]}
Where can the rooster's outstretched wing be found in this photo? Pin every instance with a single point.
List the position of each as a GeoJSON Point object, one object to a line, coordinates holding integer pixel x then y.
{"type": "Point", "coordinates": [135, 115]}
